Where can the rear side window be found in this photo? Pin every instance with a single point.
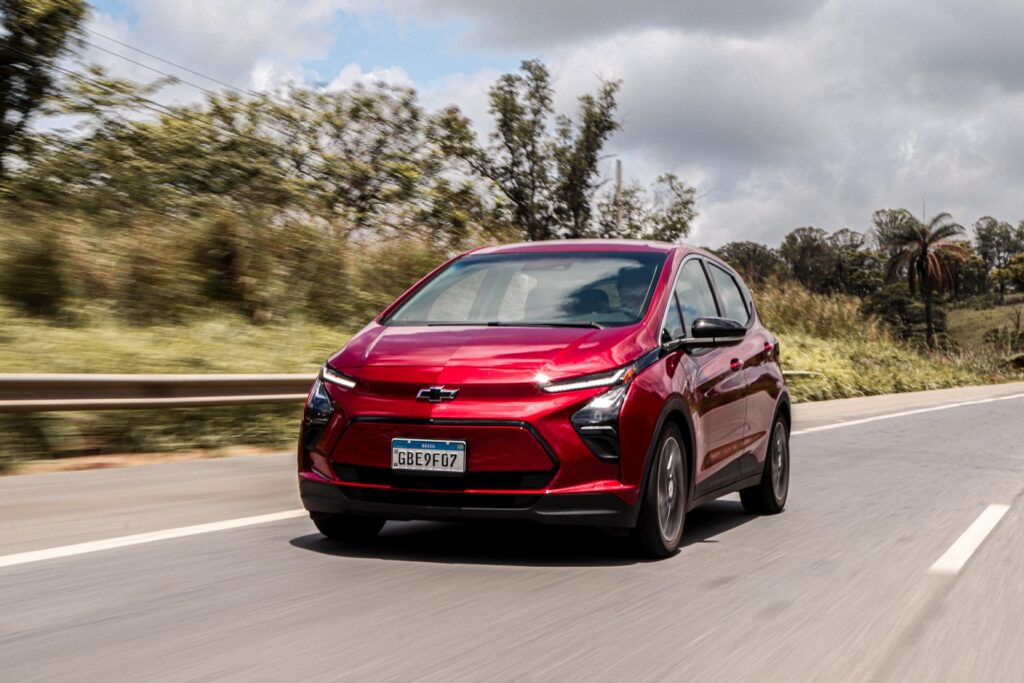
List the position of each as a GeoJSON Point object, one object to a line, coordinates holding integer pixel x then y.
{"type": "Point", "coordinates": [729, 295]}
{"type": "Point", "coordinates": [694, 294]}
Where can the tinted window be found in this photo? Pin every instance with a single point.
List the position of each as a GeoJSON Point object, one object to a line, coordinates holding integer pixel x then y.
{"type": "Point", "coordinates": [694, 293]}
{"type": "Point", "coordinates": [540, 288]}
{"type": "Point", "coordinates": [673, 323]}
{"type": "Point", "coordinates": [729, 295]}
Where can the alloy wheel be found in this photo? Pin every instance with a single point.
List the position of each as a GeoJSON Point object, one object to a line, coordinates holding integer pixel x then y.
{"type": "Point", "coordinates": [670, 490]}
{"type": "Point", "coordinates": [780, 462]}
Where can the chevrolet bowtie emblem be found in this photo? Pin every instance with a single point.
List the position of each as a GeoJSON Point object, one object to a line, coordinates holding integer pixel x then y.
{"type": "Point", "coordinates": [436, 394]}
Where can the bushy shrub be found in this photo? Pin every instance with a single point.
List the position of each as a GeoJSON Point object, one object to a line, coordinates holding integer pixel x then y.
{"type": "Point", "coordinates": [383, 271]}
{"type": "Point", "coordinates": [791, 308]}
{"type": "Point", "coordinates": [33, 273]}
{"type": "Point", "coordinates": [155, 282]}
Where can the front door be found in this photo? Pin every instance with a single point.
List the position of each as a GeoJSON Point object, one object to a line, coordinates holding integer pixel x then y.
{"type": "Point", "coordinates": [718, 385]}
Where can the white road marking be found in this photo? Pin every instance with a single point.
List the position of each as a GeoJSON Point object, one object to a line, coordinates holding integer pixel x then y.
{"type": "Point", "coordinates": [956, 557]}
{"type": "Point", "coordinates": [890, 416]}
{"type": "Point", "coordinates": [137, 539]}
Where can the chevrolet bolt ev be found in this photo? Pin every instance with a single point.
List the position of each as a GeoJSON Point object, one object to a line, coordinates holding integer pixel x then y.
{"type": "Point", "coordinates": [610, 383]}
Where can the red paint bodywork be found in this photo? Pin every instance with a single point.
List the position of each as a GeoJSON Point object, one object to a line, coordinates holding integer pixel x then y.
{"type": "Point", "coordinates": [724, 399]}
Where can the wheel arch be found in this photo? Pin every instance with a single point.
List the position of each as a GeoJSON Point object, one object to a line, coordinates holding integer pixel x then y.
{"type": "Point", "coordinates": [674, 412]}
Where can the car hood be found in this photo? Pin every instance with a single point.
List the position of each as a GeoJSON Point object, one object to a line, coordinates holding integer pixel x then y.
{"type": "Point", "coordinates": [488, 351]}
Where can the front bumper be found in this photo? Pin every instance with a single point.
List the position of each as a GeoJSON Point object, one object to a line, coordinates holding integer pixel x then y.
{"type": "Point", "coordinates": [589, 508]}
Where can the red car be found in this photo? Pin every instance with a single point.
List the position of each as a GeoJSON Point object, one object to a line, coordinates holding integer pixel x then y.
{"type": "Point", "coordinates": [608, 383]}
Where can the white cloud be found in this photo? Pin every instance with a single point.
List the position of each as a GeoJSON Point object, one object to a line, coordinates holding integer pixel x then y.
{"type": "Point", "coordinates": [816, 118]}
{"type": "Point", "coordinates": [248, 43]}
{"type": "Point", "coordinates": [353, 73]}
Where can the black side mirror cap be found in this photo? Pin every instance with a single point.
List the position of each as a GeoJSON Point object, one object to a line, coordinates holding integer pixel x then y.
{"type": "Point", "coordinates": [711, 332]}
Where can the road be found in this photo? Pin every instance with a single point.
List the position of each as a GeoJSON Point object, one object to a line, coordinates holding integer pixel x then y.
{"type": "Point", "coordinates": [841, 586]}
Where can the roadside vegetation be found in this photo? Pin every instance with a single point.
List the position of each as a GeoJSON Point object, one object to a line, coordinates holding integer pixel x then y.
{"type": "Point", "coordinates": [253, 232]}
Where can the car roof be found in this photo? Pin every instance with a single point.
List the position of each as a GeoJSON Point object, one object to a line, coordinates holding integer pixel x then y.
{"type": "Point", "coordinates": [587, 245]}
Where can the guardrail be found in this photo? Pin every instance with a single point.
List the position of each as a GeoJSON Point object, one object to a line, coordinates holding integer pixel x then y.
{"type": "Point", "coordinates": [37, 393]}
{"type": "Point", "coordinates": [27, 393]}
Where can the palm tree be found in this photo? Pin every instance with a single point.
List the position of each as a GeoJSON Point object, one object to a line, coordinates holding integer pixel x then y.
{"type": "Point", "coordinates": [924, 252]}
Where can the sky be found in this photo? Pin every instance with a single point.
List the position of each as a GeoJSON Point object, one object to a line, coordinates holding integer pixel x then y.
{"type": "Point", "coordinates": [782, 114]}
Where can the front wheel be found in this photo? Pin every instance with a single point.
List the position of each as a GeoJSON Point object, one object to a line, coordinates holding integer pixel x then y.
{"type": "Point", "coordinates": [347, 528]}
{"type": "Point", "coordinates": [768, 496]}
{"type": "Point", "coordinates": [660, 526]}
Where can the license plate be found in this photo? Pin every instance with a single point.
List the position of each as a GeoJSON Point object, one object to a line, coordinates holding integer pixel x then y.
{"type": "Point", "coordinates": [419, 455]}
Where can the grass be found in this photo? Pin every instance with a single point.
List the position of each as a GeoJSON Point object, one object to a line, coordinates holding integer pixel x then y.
{"type": "Point", "coordinates": [225, 344]}
{"type": "Point", "coordinates": [967, 326]}
{"type": "Point", "coordinates": [865, 368]}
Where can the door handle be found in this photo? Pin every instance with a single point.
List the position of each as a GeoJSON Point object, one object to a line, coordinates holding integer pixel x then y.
{"type": "Point", "coordinates": [734, 364]}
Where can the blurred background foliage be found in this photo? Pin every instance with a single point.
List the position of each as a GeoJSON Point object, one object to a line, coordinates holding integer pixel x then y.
{"type": "Point", "coordinates": [255, 231]}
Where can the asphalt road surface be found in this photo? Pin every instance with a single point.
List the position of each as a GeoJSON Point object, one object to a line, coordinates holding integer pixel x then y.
{"type": "Point", "coordinates": [900, 557]}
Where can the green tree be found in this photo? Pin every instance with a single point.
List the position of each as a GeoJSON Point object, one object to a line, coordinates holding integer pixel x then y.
{"type": "Point", "coordinates": [811, 257]}
{"type": "Point", "coordinates": [664, 213]}
{"type": "Point", "coordinates": [856, 270]}
{"type": "Point", "coordinates": [33, 35]}
{"type": "Point", "coordinates": [997, 243]}
{"type": "Point", "coordinates": [922, 253]}
{"type": "Point", "coordinates": [544, 166]}
{"type": "Point", "coordinates": [755, 262]}
{"type": "Point", "coordinates": [1012, 274]}
{"type": "Point", "coordinates": [886, 223]}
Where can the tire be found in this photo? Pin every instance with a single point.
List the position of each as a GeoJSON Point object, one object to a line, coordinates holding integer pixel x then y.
{"type": "Point", "coordinates": [659, 528]}
{"type": "Point", "coordinates": [768, 496]}
{"type": "Point", "coordinates": [347, 528]}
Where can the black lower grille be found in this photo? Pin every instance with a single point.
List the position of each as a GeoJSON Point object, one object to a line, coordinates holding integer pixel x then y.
{"type": "Point", "coordinates": [443, 482]}
{"type": "Point", "coordinates": [445, 500]}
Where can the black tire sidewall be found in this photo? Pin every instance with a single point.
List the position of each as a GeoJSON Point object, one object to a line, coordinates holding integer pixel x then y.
{"type": "Point", "coordinates": [649, 527]}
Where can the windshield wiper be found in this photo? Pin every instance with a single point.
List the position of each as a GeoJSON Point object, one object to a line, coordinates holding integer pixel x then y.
{"type": "Point", "coordinates": [501, 323]}
{"type": "Point", "coordinates": [589, 323]}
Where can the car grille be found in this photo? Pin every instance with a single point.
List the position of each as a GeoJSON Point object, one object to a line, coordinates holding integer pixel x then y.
{"type": "Point", "coordinates": [506, 481]}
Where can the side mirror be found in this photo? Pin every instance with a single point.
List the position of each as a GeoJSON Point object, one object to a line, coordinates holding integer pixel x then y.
{"type": "Point", "coordinates": [711, 332]}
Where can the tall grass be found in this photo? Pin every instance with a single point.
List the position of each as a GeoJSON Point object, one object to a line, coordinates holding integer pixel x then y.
{"type": "Point", "coordinates": [790, 308]}
{"type": "Point", "coordinates": [855, 354]}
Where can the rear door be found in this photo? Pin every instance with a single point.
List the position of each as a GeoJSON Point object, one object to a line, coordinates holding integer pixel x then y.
{"type": "Point", "coordinates": [718, 385]}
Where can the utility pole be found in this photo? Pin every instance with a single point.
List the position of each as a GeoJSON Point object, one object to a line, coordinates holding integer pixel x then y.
{"type": "Point", "coordinates": [618, 196]}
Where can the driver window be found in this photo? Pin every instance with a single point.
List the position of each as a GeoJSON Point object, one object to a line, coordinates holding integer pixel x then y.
{"type": "Point", "coordinates": [694, 293]}
{"type": "Point", "coordinates": [673, 322]}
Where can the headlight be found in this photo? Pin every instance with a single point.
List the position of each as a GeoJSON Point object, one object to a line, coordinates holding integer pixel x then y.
{"type": "Point", "coordinates": [319, 407]}
{"type": "Point", "coordinates": [602, 379]}
{"type": "Point", "coordinates": [597, 422]}
{"type": "Point", "coordinates": [329, 374]}
{"type": "Point", "coordinates": [601, 415]}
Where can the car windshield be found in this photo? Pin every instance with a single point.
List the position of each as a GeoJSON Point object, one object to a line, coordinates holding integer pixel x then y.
{"type": "Point", "coordinates": [587, 289]}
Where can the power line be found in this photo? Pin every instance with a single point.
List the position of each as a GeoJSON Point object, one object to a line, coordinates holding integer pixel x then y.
{"type": "Point", "coordinates": [170, 63]}
{"type": "Point", "coordinates": [148, 103]}
{"type": "Point", "coordinates": [211, 93]}
{"type": "Point", "coordinates": [235, 88]}
{"type": "Point", "coordinates": [151, 68]}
